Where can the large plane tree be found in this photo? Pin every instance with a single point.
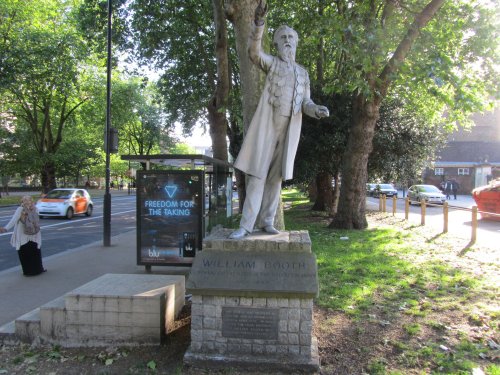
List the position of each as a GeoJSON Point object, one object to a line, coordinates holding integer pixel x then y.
{"type": "Point", "coordinates": [42, 57]}
{"type": "Point", "coordinates": [431, 51]}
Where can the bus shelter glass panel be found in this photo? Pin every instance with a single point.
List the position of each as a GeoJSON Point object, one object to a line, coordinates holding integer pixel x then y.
{"type": "Point", "coordinates": [218, 195]}
{"type": "Point", "coordinates": [169, 216]}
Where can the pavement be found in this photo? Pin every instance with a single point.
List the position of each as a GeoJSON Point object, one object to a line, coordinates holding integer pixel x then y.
{"type": "Point", "coordinates": [73, 268]}
{"type": "Point", "coordinates": [69, 270]}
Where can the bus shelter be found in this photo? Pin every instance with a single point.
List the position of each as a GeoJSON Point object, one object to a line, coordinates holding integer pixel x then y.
{"type": "Point", "coordinates": [180, 198]}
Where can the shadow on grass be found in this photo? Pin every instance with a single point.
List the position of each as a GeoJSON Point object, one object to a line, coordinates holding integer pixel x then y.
{"type": "Point", "coordinates": [355, 267]}
{"type": "Point", "coordinates": [435, 237]}
{"type": "Point", "coordinates": [466, 248]}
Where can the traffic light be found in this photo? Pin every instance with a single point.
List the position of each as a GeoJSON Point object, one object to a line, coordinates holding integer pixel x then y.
{"type": "Point", "coordinates": [113, 141]}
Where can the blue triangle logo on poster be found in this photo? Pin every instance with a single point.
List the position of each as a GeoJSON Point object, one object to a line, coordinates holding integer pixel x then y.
{"type": "Point", "coordinates": [170, 189]}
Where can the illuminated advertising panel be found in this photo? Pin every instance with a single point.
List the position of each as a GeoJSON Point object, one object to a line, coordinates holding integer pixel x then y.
{"type": "Point", "coordinates": [169, 216]}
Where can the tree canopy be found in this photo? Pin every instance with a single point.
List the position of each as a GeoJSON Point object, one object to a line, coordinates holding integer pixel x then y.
{"type": "Point", "coordinates": [52, 94]}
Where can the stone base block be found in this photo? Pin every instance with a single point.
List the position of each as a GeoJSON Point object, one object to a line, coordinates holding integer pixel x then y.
{"type": "Point", "coordinates": [252, 303]}
{"type": "Point", "coordinates": [265, 363]}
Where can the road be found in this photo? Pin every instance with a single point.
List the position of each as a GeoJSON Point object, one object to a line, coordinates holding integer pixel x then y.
{"type": "Point", "coordinates": [59, 234]}
{"type": "Point", "coordinates": [459, 220]}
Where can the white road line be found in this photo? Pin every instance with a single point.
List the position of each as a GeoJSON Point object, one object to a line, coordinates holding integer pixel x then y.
{"type": "Point", "coordinates": [79, 221]}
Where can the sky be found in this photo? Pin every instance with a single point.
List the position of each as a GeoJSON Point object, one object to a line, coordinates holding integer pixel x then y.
{"type": "Point", "coordinates": [198, 139]}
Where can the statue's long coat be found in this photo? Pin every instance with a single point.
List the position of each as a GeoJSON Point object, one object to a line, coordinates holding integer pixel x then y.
{"type": "Point", "coordinates": [260, 141]}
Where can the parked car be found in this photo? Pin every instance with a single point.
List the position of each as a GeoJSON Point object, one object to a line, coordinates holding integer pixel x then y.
{"type": "Point", "coordinates": [370, 188]}
{"type": "Point", "coordinates": [429, 193]}
{"type": "Point", "coordinates": [375, 190]}
{"type": "Point", "coordinates": [488, 200]}
{"type": "Point", "coordinates": [65, 203]}
{"type": "Point", "coordinates": [387, 189]}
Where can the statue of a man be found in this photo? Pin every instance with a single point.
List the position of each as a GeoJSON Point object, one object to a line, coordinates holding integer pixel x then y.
{"type": "Point", "coordinates": [269, 147]}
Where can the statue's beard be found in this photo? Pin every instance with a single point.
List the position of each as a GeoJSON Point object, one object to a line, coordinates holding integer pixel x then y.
{"type": "Point", "coordinates": [287, 53]}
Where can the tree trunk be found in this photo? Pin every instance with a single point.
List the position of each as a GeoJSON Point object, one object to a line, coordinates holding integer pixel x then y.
{"type": "Point", "coordinates": [352, 201]}
{"type": "Point", "coordinates": [241, 14]}
{"type": "Point", "coordinates": [279, 218]}
{"type": "Point", "coordinates": [336, 193]}
{"type": "Point", "coordinates": [218, 104]}
{"type": "Point", "coordinates": [48, 174]}
{"type": "Point", "coordinates": [324, 198]}
{"type": "Point", "coordinates": [218, 130]}
{"type": "Point", "coordinates": [312, 191]}
{"type": "Point", "coordinates": [235, 135]}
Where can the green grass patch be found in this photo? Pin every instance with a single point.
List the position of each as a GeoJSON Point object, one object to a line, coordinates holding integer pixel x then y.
{"type": "Point", "coordinates": [412, 329]}
{"type": "Point", "coordinates": [293, 196]}
{"type": "Point", "coordinates": [8, 200]}
{"type": "Point", "coordinates": [493, 370]}
{"type": "Point", "coordinates": [383, 268]}
{"type": "Point", "coordinates": [354, 266]}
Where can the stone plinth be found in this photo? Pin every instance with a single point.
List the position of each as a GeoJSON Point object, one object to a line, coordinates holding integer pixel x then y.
{"type": "Point", "coordinates": [252, 303]}
{"type": "Point", "coordinates": [289, 241]}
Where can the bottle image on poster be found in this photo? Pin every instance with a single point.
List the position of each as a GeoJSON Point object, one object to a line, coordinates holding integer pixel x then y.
{"type": "Point", "coordinates": [169, 209]}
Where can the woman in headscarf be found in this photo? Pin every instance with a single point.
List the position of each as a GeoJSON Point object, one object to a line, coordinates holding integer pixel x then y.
{"type": "Point", "coordinates": [28, 246]}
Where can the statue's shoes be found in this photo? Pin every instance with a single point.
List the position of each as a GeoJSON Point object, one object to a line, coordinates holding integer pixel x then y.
{"type": "Point", "coordinates": [238, 234]}
{"type": "Point", "coordinates": [270, 229]}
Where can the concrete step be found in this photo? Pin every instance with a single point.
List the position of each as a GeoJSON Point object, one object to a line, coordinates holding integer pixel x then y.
{"type": "Point", "coordinates": [53, 320]}
{"type": "Point", "coordinates": [28, 326]}
{"type": "Point", "coordinates": [8, 333]}
{"type": "Point", "coordinates": [112, 309]}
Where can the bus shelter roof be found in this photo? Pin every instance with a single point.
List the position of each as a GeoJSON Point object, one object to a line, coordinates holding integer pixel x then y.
{"type": "Point", "coordinates": [192, 161]}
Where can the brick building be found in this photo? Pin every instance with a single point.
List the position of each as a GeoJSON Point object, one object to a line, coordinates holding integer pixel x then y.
{"type": "Point", "coordinates": [471, 157]}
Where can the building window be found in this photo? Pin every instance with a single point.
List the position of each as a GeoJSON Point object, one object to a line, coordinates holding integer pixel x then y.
{"type": "Point", "coordinates": [463, 171]}
{"type": "Point", "coordinates": [438, 171]}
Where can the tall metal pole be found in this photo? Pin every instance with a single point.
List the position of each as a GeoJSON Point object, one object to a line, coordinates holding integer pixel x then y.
{"type": "Point", "coordinates": [107, 194]}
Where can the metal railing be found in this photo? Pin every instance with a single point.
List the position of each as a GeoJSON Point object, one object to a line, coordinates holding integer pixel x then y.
{"type": "Point", "coordinates": [423, 207]}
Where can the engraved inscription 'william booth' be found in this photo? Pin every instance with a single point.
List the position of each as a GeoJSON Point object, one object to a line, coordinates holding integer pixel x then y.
{"type": "Point", "coordinates": [250, 323]}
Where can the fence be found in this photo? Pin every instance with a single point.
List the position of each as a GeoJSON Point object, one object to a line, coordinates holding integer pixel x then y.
{"type": "Point", "coordinates": [423, 206]}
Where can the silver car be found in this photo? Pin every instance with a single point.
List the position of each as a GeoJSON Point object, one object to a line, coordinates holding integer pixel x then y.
{"type": "Point", "coordinates": [429, 193]}
{"type": "Point", "coordinates": [384, 189]}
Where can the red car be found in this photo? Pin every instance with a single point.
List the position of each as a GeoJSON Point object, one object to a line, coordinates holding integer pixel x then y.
{"type": "Point", "coordinates": [488, 200]}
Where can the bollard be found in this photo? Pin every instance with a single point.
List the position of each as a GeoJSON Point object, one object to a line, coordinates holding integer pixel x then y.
{"type": "Point", "coordinates": [407, 208]}
{"type": "Point", "coordinates": [474, 225]}
{"type": "Point", "coordinates": [394, 202]}
{"type": "Point", "coordinates": [384, 200]}
{"type": "Point", "coordinates": [445, 217]}
{"type": "Point", "coordinates": [422, 212]}
{"type": "Point", "coordinates": [380, 203]}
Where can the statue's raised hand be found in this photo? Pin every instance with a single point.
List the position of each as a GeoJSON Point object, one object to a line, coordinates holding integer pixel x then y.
{"type": "Point", "coordinates": [260, 13]}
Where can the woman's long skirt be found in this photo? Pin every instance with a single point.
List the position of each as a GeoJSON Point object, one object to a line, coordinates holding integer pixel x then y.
{"type": "Point", "coordinates": [31, 259]}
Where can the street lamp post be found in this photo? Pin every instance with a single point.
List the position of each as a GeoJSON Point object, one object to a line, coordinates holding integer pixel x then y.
{"type": "Point", "coordinates": [129, 172]}
{"type": "Point", "coordinates": [107, 194]}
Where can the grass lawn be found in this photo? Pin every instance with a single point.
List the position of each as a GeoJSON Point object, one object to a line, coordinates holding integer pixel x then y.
{"type": "Point", "coordinates": [8, 200]}
{"type": "Point", "coordinates": [396, 299]}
